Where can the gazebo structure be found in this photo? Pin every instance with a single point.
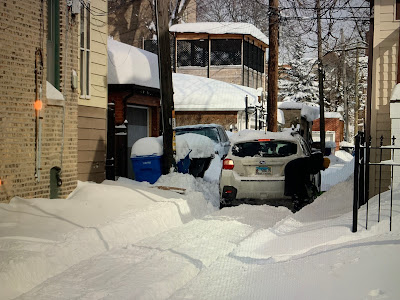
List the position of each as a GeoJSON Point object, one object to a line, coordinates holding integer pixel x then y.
{"type": "Point", "coordinates": [226, 51]}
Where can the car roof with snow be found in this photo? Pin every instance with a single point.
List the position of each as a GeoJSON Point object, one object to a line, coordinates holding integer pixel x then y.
{"type": "Point", "coordinates": [251, 135]}
{"type": "Point", "coordinates": [197, 126]}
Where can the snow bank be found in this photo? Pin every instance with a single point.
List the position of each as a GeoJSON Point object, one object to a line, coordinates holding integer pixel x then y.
{"type": "Point", "coordinates": [213, 172]}
{"type": "Point", "coordinates": [40, 238]}
{"type": "Point", "coordinates": [340, 169]}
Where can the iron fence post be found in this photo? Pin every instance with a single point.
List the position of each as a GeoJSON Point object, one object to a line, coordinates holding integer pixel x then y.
{"type": "Point", "coordinates": [356, 186]}
{"type": "Point", "coordinates": [380, 180]}
{"type": "Point", "coordinates": [361, 190]}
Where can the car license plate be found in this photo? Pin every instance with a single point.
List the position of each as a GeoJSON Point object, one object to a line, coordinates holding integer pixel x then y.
{"type": "Point", "coordinates": [263, 170]}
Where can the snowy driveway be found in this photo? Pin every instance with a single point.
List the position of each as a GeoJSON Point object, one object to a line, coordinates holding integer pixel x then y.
{"type": "Point", "coordinates": [124, 240]}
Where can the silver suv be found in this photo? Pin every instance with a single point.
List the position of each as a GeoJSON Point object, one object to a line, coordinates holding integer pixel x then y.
{"type": "Point", "coordinates": [214, 131]}
{"type": "Point", "coordinates": [255, 166]}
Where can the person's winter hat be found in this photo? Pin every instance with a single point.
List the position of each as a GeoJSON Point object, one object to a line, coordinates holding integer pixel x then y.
{"type": "Point", "coordinates": [326, 163]}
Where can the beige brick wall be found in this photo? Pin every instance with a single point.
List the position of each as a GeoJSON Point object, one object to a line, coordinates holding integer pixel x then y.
{"type": "Point", "coordinates": [20, 36]}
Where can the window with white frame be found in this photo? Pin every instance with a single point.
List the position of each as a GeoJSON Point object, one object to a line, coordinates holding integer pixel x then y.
{"type": "Point", "coordinates": [84, 57]}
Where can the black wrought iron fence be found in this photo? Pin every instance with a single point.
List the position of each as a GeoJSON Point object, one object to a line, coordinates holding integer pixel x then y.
{"type": "Point", "coordinates": [362, 166]}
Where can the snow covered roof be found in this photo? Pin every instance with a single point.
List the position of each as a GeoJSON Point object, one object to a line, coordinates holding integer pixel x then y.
{"type": "Point", "coordinates": [195, 93]}
{"type": "Point", "coordinates": [333, 115]}
{"type": "Point", "coordinates": [131, 65]}
{"type": "Point", "coordinates": [220, 28]}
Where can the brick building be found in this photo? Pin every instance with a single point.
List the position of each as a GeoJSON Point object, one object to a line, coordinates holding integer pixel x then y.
{"type": "Point", "coordinates": [134, 103]}
{"type": "Point", "coordinates": [334, 128]}
{"type": "Point", "coordinates": [39, 60]}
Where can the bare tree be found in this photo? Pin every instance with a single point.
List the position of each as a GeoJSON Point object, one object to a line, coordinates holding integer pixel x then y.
{"type": "Point", "coordinates": [132, 21]}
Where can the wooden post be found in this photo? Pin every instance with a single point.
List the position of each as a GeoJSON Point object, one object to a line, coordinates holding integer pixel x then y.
{"type": "Point", "coordinates": [272, 99]}
{"type": "Point", "coordinates": [165, 75]}
{"type": "Point", "coordinates": [356, 105]}
{"type": "Point", "coordinates": [345, 99]}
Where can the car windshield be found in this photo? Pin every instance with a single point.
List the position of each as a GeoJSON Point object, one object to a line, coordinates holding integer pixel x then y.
{"type": "Point", "coordinates": [206, 131]}
{"type": "Point", "coordinates": [264, 149]}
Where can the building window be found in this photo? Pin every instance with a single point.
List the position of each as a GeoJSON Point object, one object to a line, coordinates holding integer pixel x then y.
{"type": "Point", "coordinates": [192, 53]}
{"type": "Point", "coordinates": [226, 52]}
{"type": "Point", "coordinates": [253, 57]}
{"type": "Point", "coordinates": [397, 9]}
{"type": "Point", "coordinates": [53, 43]}
{"type": "Point", "coordinates": [84, 58]}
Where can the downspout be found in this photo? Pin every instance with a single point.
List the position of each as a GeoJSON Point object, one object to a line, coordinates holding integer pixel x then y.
{"type": "Point", "coordinates": [57, 44]}
{"type": "Point", "coordinates": [38, 117]}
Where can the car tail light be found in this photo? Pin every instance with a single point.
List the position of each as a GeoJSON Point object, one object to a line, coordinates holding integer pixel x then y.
{"type": "Point", "coordinates": [265, 140]}
{"type": "Point", "coordinates": [228, 164]}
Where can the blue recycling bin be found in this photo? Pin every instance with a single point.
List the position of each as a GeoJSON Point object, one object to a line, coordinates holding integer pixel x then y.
{"type": "Point", "coordinates": [147, 168]}
{"type": "Point", "coordinates": [183, 165]}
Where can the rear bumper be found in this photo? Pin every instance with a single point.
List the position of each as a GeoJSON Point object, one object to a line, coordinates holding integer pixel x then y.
{"type": "Point", "coordinates": [255, 187]}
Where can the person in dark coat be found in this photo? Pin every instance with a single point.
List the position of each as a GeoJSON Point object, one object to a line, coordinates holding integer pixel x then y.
{"type": "Point", "coordinates": [298, 173]}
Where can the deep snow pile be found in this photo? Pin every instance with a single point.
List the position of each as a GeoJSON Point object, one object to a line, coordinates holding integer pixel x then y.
{"type": "Point", "coordinates": [40, 238]}
{"type": "Point", "coordinates": [130, 240]}
{"type": "Point", "coordinates": [340, 169]}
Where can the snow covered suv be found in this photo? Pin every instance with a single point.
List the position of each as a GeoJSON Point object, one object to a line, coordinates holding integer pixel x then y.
{"type": "Point", "coordinates": [214, 131]}
{"type": "Point", "coordinates": [255, 165]}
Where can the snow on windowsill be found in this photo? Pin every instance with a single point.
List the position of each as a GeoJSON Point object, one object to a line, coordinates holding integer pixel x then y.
{"type": "Point", "coordinates": [54, 96]}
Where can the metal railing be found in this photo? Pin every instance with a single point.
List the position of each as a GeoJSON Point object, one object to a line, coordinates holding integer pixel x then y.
{"type": "Point", "coordinates": [362, 165]}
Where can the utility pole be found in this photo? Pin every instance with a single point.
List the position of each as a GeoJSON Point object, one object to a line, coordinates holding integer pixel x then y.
{"type": "Point", "coordinates": [272, 99]}
{"type": "Point", "coordinates": [165, 75]}
{"type": "Point", "coordinates": [346, 107]}
{"type": "Point", "coordinates": [320, 80]}
{"type": "Point", "coordinates": [356, 106]}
